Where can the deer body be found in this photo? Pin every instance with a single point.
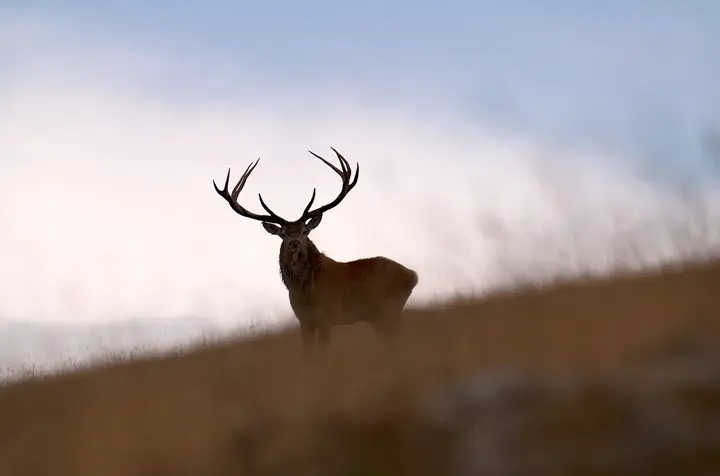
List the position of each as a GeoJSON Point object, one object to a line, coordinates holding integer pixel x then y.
{"type": "Point", "coordinates": [373, 290]}
{"type": "Point", "coordinates": [324, 292]}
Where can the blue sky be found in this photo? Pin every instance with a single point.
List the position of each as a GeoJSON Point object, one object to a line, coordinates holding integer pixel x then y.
{"type": "Point", "coordinates": [634, 76]}
{"type": "Point", "coordinates": [541, 120]}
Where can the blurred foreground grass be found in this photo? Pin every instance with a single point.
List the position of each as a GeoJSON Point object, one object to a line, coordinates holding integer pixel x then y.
{"type": "Point", "coordinates": [596, 377]}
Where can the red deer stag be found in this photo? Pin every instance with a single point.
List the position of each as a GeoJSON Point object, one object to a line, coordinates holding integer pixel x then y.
{"type": "Point", "coordinates": [324, 292]}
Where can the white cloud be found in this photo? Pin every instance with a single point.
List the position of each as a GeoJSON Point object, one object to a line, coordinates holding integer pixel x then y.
{"type": "Point", "coordinates": [108, 210]}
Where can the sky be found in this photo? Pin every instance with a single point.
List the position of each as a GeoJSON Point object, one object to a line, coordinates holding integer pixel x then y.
{"type": "Point", "coordinates": [496, 142]}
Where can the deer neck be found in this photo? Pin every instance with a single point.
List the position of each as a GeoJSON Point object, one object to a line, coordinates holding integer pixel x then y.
{"type": "Point", "coordinates": [300, 270]}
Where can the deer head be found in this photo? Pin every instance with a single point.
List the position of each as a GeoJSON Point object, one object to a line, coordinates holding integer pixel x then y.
{"type": "Point", "coordinates": [293, 233]}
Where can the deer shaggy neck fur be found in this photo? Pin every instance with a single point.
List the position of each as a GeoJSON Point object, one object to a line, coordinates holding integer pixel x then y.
{"type": "Point", "coordinates": [299, 270]}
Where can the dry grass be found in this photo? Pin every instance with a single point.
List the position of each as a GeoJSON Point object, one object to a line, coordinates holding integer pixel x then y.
{"type": "Point", "coordinates": [594, 377]}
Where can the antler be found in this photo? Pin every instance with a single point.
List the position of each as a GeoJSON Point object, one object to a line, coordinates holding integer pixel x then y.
{"type": "Point", "coordinates": [232, 198]}
{"type": "Point", "coordinates": [345, 174]}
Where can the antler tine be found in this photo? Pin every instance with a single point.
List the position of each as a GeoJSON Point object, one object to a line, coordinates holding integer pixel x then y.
{"type": "Point", "coordinates": [312, 199]}
{"type": "Point", "coordinates": [241, 183]}
{"type": "Point", "coordinates": [232, 198]}
{"type": "Point", "coordinates": [345, 174]}
{"type": "Point", "coordinates": [346, 167]}
{"type": "Point", "coordinates": [342, 172]}
{"type": "Point", "coordinates": [267, 209]}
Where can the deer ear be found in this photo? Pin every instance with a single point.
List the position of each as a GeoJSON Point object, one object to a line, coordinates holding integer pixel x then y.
{"type": "Point", "coordinates": [313, 223]}
{"type": "Point", "coordinates": [271, 228]}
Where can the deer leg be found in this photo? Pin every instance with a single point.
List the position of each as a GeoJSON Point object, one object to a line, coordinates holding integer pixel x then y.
{"type": "Point", "coordinates": [307, 332]}
{"type": "Point", "coordinates": [324, 335]}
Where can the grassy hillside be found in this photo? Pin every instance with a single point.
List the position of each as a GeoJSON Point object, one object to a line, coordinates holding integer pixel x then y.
{"type": "Point", "coordinates": [595, 377]}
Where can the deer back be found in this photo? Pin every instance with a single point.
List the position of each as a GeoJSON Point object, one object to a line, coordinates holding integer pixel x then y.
{"type": "Point", "coordinates": [368, 280]}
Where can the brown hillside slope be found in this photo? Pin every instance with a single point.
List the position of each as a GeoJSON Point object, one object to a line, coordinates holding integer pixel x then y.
{"type": "Point", "coordinates": [616, 376]}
